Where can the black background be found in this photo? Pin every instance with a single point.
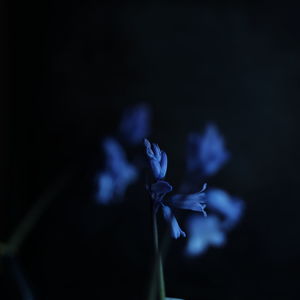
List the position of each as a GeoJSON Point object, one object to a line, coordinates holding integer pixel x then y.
{"type": "Point", "coordinates": [75, 67]}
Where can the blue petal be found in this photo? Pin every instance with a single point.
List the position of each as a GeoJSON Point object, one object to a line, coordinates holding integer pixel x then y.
{"type": "Point", "coordinates": [148, 149]}
{"type": "Point", "coordinates": [163, 164]}
{"type": "Point", "coordinates": [157, 152]}
{"type": "Point", "coordinates": [161, 187]}
{"type": "Point", "coordinates": [176, 231]}
{"type": "Point", "coordinates": [195, 202]}
{"type": "Point", "coordinates": [155, 166]}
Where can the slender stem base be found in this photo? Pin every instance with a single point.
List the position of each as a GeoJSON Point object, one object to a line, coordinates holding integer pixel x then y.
{"type": "Point", "coordinates": [158, 261]}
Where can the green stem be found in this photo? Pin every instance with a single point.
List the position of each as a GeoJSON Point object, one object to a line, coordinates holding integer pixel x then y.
{"type": "Point", "coordinates": [158, 261]}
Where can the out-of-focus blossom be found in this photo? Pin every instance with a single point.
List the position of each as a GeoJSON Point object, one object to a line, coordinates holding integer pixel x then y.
{"type": "Point", "coordinates": [206, 154]}
{"type": "Point", "coordinates": [230, 207]}
{"type": "Point", "coordinates": [203, 233]}
{"type": "Point", "coordinates": [105, 187]}
{"type": "Point", "coordinates": [135, 124]}
{"type": "Point", "coordinates": [158, 160]}
{"type": "Point", "coordinates": [158, 190]}
{"type": "Point", "coordinates": [118, 173]}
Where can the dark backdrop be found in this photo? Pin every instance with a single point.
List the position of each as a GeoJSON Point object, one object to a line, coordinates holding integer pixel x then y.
{"type": "Point", "coordinates": [78, 64]}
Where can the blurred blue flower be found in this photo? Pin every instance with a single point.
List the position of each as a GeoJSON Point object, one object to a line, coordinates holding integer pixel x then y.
{"type": "Point", "coordinates": [118, 173]}
{"type": "Point", "coordinates": [135, 124]}
{"type": "Point", "coordinates": [230, 207]}
{"type": "Point", "coordinates": [203, 233]}
{"type": "Point", "coordinates": [206, 154]}
{"type": "Point", "coordinates": [106, 186]}
{"type": "Point", "coordinates": [158, 160]}
{"type": "Point", "coordinates": [158, 190]}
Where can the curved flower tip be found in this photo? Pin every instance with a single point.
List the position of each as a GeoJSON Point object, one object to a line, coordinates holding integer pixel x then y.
{"type": "Point", "coordinates": [176, 231]}
{"type": "Point", "coordinates": [135, 123]}
{"type": "Point", "coordinates": [203, 232]}
{"type": "Point", "coordinates": [207, 152]}
{"type": "Point", "coordinates": [158, 160]}
{"type": "Point", "coordinates": [195, 202]}
{"type": "Point", "coordinates": [231, 207]}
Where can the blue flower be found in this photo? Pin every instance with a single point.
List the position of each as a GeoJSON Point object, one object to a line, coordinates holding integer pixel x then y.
{"type": "Point", "coordinates": [203, 232]}
{"type": "Point", "coordinates": [160, 188]}
{"type": "Point", "coordinates": [118, 173]}
{"type": "Point", "coordinates": [158, 160]}
{"type": "Point", "coordinates": [195, 202]}
{"type": "Point", "coordinates": [206, 154]}
{"type": "Point", "coordinates": [135, 124]}
{"type": "Point", "coordinates": [176, 231]}
{"type": "Point", "coordinates": [230, 207]}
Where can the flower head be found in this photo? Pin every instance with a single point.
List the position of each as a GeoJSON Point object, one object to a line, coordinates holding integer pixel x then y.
{"type": "Point", "coordinates": [203, 232]}
{"type": "Point", "coordinates": [160, 188]}
{"type": "Point", "coordinates": [206, 154]}
{"type": "Point", "coordinates": [158, 160]}
{"type": "Point", "coordinates": [135, 124]}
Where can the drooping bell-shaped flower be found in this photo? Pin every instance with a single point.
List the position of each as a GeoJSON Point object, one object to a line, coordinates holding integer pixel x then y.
{"type": "Point", "coordinates": [175, 230]}
{"type": "Point", "coordinates": [118, 173]}
{"type": "Point", "coordinates": [206, 153]}
{"type": "Point", "coordinates": [135, 124]}
{"type": "Point", "coordinates": [203, 233]}
{"type": "Point", "coordinates": [195, 202]}
{"type": "Point", "coordinates": [230, 207]}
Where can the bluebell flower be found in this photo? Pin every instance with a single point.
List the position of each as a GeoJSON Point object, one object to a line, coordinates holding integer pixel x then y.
{"type": "Point", "coordinates": [206, 154]}
{"type": "Point", "coordinates": [194, 202]}
{"type": "Point", "coordinates": [135, 124]}
{"type": "Point", "coordinates": [203, 233]}
{"type": "Point", "coordinates": [158, 160]}
{"type": "Point", "coordinates": [160, 188]}
{"type": "Point", "coordinates": [118, 173]}
{"type": "Point", "coordinates": [230, 207]}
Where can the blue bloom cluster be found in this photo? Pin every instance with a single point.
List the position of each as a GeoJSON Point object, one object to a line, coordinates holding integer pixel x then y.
{"type": "Point", "coordinates": [118, 173]}
{"type": "Point", "coordinates": [205, 156]}
{"type": "Point", "coordinates": [159, 188]}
